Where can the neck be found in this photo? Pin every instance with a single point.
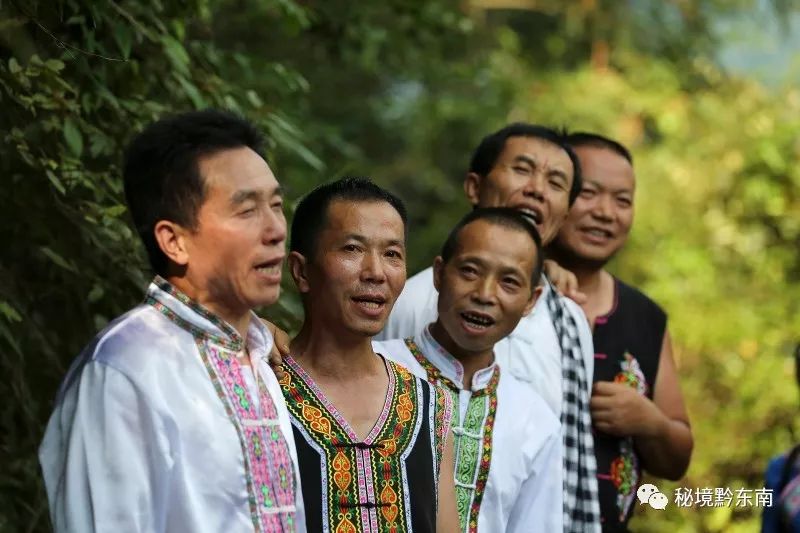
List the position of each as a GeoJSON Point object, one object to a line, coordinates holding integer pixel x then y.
{"type": "Point", "coordinates": [238, 319]}
{"type": "Point", "coordinates": [593, 280]}
{"type": "Point", "coordinates": [472, 361]}
{"type": "Point", "coordinates": [327, 352]}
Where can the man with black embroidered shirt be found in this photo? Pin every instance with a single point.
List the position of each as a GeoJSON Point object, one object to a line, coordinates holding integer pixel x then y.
{"type": "Point", "coordinates": [637, 407]}
{"type": "Point", "coordinates": [372, 439]}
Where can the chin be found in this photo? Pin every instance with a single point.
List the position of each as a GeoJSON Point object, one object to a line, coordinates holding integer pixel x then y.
{"type": "Point", "coordinates": [265, 298]}
{"type": "Point", "coordinates": [474, 345]}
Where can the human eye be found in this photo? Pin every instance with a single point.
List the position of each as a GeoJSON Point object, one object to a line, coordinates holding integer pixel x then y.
{"type": "Point", "coordinates": [468, 271]}
{"type": "Point", "coordinates": [247, 210]}
{"type": "Point", "coordinates": [394, 254]}
{"type": "Point", "coordinates": [350, 247]}
{"type": "Point", "coordinates": [277, 204]}
{"type": "Point", "coordinates": [587, 193]}
{"type": "Point", "coordinates": [522, 169]}
{"type": "Point", "coordinates": [624, 201]}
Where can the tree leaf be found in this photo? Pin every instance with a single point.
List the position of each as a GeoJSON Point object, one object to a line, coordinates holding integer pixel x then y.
{"type": "Point", "coordinates": [57, 259]}
{"type": "Point", "coordinates": [73, 137]}
{"type": "Point", "coordinates": [9, 312]}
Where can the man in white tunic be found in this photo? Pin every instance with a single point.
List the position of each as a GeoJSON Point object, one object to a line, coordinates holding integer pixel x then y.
{"type": "Point", "coordinates": [508, 441]}
{"type": "Point", "coordinates": [171, 419]}
{"type": "Point", "coordinates": [530, 168]}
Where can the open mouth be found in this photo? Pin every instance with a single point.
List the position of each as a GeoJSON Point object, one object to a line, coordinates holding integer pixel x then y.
{"type": "Point", "coordinates": [370, 302]}
{"type": "Point", "coordinates": [270, 268]}
{"type": "Point", "coordinates": [477, 321]}
{"type": "Point", "coordinates": [532, 213]}
{"type": "Point", "coordinates": [598, 233]}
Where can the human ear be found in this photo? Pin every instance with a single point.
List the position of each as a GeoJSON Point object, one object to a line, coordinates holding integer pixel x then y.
{"type": "Point", "coordinates": [438, 270]}
{"type": "Point", "coordinates": [472, 187]}
{"type": "Point", "coordinates": [537, 291]}
{"type": "Point", "coordinates": [298, 268]}
{"type": "Point", "coordinates": [172, 241]}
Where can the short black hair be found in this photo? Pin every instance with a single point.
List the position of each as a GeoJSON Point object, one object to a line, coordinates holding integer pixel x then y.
{"type": "Point", "coordinates": [500, 216]}
{"type": "Point", "coordinates": [311, 214]}
{"type": "Point", "coordinates": [484, 158]}
{"type": "Point", "coordinates": [161, 173]}
{"type": "Point", "coordinates": [582, 138]}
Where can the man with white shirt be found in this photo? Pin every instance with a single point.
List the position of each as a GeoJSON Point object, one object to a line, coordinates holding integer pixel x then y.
{"type": "Point", "coordinates": [508, 459]}
{"type": "Point", "coordinates": [530, 168]}
{"type": "Point", "coordinates": [171, 419]}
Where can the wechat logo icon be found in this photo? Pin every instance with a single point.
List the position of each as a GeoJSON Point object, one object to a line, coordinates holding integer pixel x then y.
{"type": "Point", "coordinates": [649, 494]}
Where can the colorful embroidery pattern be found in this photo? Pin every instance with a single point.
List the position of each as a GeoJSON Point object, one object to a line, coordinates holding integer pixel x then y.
{"type": "Point", "coordinates": [268, 465]}
{"type": "Point", "coordinates": [364, 484]}
{"type": "Point", "coordinates": [473, 439]}
{"type": "Point", "coordinates": [625, 472]}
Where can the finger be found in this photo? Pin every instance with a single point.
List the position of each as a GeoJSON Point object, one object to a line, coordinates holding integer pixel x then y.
{"type": "Point", "coordinates": [599, 402]}
{"type": "Point", "coordinates": [578, 297]}
{"type": "Point", "coordinates": [604, 388]}
{"type": "Point", "coordinates": [282, 342]}
{"type": "Point", "coordinates": [608, 428]}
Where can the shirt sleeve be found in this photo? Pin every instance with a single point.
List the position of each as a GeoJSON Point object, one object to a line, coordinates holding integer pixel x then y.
{"type": "Point", "coordinates": [105, 457]}
{"type": "Point", "coordinates": [540, 499]}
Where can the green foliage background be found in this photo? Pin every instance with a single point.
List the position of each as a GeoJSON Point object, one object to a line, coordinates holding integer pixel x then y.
{"type": "Point", "coordinates": [402, 91]}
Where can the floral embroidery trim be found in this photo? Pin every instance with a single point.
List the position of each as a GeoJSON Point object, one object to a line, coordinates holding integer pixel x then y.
{"type": "Point", "coordinates": [472, 472]}
{"type": "Point", "coordinates": [625, 473]}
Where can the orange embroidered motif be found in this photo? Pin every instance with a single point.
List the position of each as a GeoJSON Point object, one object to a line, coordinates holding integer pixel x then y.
{"type": "Point", "coordinates": [316, 420]}
{"type": "Point", "coordinates": [404, 407]}
{"type": "Point", "coordinates": [345, 526]}
{"type": "Point", "coordinates": [388, 495]}
{"type": "Point", "coordinates": [341, 471]}
{"type": "Point", "coordinates": [387, 448]}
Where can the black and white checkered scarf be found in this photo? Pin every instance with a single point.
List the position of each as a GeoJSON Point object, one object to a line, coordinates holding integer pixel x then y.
{"type": "Point", "coordinates": [581, 503]}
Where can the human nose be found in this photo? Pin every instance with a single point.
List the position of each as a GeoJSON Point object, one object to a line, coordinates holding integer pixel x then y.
{"type": "Point", "coordinates": [485, 291]}
{"type": "Point", "coordinates": [603, 208]}
{"type": "Point", "coordinates": [373, 268]}
{"type": "Point", "coordinates": [534, 186]}
{"type": "Point", "coordinates": [274, 228]}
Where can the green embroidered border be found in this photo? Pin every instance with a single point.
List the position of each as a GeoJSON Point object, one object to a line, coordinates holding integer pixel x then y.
{"type": "Point", "coordinates": [480, 414]}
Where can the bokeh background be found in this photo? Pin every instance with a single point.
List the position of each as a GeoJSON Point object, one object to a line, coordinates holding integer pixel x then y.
{"type": "Point", "coordinates": [704, 92]}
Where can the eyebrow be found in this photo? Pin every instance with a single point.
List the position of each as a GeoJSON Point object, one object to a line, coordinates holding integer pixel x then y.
{"type": "Point", "coordinates": [532, 162]}
{"type": "Point", "coordinates": [602, 187]}
{"type": "Point", "coordinates": [364, 240]}
{"type": "Point", "coordinates": [243, 195]}
{"type": "Point", "coordinates": [524, 159]}
{"type": "Point", "coordinates": [504, 270]}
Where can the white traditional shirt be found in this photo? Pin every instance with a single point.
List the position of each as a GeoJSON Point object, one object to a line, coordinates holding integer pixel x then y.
{"type": "Point", "coordinates": [155, 429]}
{"type": "Point", "coordinates": [508, 460]}
{"type": "Point", "coordinates": [531, 353]}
